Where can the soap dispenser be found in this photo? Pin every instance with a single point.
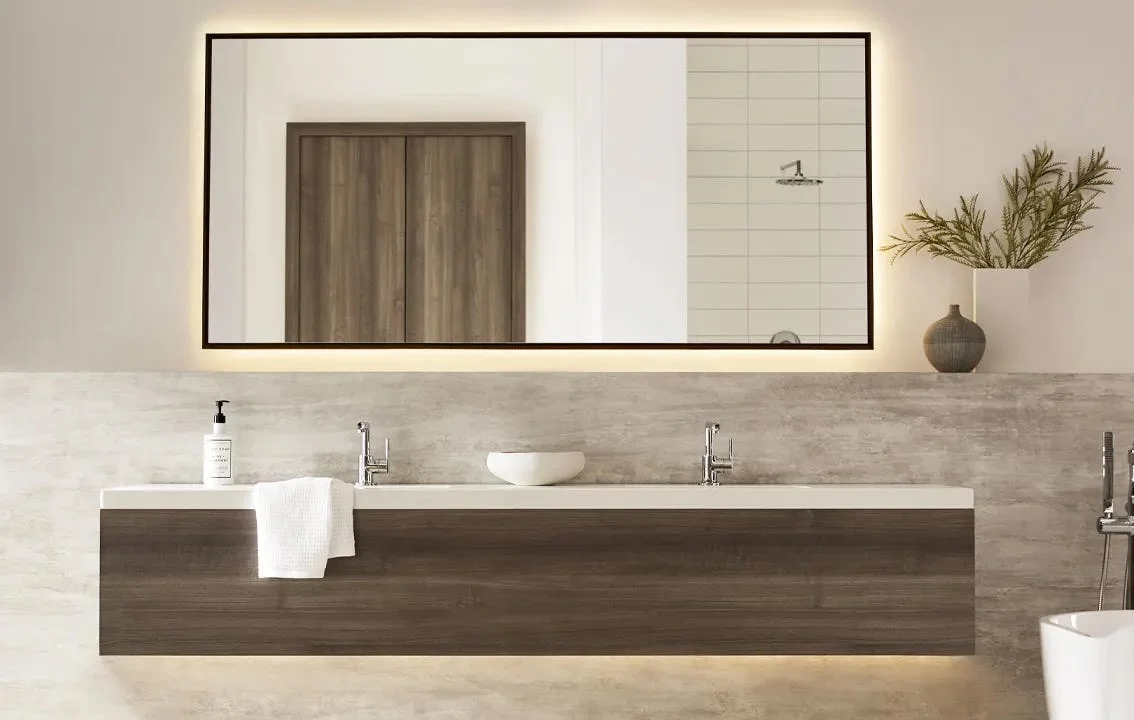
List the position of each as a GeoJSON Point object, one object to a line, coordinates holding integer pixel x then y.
{"type": "Point", "coordinates": [218, 451]}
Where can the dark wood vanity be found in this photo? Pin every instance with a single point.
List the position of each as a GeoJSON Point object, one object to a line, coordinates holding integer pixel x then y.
{"type": "Point", "coordinates": [549, 582]}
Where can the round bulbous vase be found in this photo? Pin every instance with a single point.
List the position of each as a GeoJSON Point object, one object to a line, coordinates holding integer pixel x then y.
{"type": "Point", "coordinates": [954, 344]}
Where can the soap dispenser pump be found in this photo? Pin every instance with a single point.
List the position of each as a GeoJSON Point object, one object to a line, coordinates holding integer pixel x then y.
{"type": "Point", "coordinates": [218, 451]}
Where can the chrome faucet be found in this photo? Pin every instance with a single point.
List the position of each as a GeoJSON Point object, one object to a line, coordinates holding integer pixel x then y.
{"type": "Point", "coordinates": [368, 465]}
{"type": "Point", "coordinates": [710, 463]}
{"type": "Point", "coordinates": [1108, 524]}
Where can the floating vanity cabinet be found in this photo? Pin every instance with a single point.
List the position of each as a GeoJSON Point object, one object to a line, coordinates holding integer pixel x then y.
{"type": "Point", "coordinates": [586, 570]}
{"type": "Point", "coordinates": [405, 232]}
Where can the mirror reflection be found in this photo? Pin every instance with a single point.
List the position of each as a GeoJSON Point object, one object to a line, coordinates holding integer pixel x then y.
{"type": "Point", "coordinates": [538, 190]}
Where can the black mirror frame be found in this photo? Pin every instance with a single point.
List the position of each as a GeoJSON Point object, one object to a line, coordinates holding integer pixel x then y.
{"type": "Point", "coordinates": [868, 345]}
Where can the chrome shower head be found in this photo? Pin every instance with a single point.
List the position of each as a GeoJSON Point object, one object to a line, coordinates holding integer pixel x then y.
{"type": "Point", "coordinates": [798, 178]}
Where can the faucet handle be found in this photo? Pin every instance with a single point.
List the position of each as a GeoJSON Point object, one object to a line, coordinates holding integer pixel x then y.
{"type": "Point", "coordinates": [730, 449]}
{"type": "Point", "coordinates": [383, 462]}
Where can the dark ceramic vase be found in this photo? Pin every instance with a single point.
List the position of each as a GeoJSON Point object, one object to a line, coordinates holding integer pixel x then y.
{"type": "Point", "coordinates": [954, 344]}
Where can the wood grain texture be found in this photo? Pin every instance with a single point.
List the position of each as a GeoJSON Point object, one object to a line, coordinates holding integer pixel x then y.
{"type": "Point", "coordinates": [346, 239]}
{"type": "Point", "coordinates": [544, 582]}
{"type": "Point", "coordinates": [459, 239]}
{"type": "Point", "coordinates": [347, 261]}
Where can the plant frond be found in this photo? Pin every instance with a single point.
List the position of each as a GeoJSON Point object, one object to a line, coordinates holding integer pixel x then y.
{"type": "Point", "coordinates": [1045, 206]}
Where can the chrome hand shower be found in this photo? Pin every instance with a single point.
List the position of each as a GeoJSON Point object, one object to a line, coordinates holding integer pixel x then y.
{"type": "Point", "coordinates": [1107, 505]}
{"type": "Point", "coordinates": [1127, 597]}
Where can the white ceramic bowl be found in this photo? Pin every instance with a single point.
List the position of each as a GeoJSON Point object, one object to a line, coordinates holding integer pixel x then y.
{"type": "Point", "coordinates": [536, 468]}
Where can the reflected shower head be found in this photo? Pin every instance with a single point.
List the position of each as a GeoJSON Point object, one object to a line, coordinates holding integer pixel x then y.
{"type": "Point", "coordinates": [799, 178]}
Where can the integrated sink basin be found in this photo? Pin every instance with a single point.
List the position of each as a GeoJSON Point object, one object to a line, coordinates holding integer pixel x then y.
{"type": "Point", "coordinates": [613, 497]}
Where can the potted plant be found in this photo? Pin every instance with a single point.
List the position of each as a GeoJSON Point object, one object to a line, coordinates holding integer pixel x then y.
{"type": "Point", "coordinates": [1046, 205]}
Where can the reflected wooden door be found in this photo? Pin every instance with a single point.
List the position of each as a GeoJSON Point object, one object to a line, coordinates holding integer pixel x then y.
{"type": "Point", "coordinates": [464, 279]}
{"type": "Point", "coordinates": [346, 239]}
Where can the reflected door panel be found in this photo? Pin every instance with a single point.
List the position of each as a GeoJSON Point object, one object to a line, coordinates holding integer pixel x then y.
{"type": "Point", "coordinates": [346, 240]}
{"type": "Point", "coordinates": [459, 240]}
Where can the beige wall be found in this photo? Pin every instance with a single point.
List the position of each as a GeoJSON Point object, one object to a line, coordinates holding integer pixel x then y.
{"type": "Point", "coordinates": [101, 171]}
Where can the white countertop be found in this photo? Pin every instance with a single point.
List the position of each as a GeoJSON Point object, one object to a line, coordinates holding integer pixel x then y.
{"type": "Point", "coordinates": [507, 497]}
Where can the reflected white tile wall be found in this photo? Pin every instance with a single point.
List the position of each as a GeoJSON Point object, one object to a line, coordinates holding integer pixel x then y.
{"type": "Point", "coordinates": [719, 322]}
{"type": "Point", "coordinates": [842, 269]}
{"type": "Point", "coordinates": [797, 111]}
{"type": "Point", "coordinates": [839, 163]}
{"type": "Point", "coordinates": [718, 296]}
{"type": "Point", "coordinates": [775, 58]}
{"type": "Point", "coordinates": [842, 190]}
{"type": "Point", "coordinates": [844, 321]}
{"type": "Point", "coordinates": [784, 216]}
{"type": "Point", "coordinates": [793, 296]}
{"type": "Point", "coordinates": [783, 84]}
{"type": "Point", "coordinates": [717, 164]}
{"type": "Point", "coordinates": [783, 242]}
{"type": "Point", "coordinates": [842, 85]}
{"type": "Point", "coordinates": [833, 111]}
{"type": "Point", "coordinates": [763, 323]}
{"type": "Point", "coordinates": [721, 137]}
{"type": "Point", "coordinates": [717, 58]}
{"type": "Point", "coordinates": [753, 107]}
{"type": "Point", "coordinates": [843, 137]}
{"type": "Point", "coordinates": [842, 216]}
{"type": "Point", "coordinates": [841, 58]}
{"type": "Point", "coordinates": [783, 269]}
{"type": "Point", "coordinates": [843, 295]}
{"type": "Point", "coordinates": [841, 242]}
{"type": "Point", "coordinates": [714, 111]}
{"type": "Point", "coordinates": [717, 270]}
{"type": "Point", "coordinates": [717, 85]}
{"type": "Point", "coordinates": [783, 137]}
{"type": "Point", "coordinates": [718, 216]}
{"type": "Point", "coordinates": [718, 190]}
{"type": "Point", "coordinates": [720, 242]}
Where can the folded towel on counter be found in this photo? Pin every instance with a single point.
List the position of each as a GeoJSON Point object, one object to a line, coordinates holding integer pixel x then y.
{"type": "Point", "coordinates": [300, 523]}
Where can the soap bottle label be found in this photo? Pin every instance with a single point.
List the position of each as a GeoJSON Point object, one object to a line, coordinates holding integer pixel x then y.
{"type": "Point", "coordinates": [218, 459]}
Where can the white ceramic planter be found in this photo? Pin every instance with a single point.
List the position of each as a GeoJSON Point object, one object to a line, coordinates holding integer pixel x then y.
{"type": "Point", "coordinates": [1001, 306]}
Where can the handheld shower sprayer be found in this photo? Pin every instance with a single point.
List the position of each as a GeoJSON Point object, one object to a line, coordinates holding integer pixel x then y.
{"type": "Point", "coordinates": [1107, 504]}
{"type": "Point", "coordinates": [1108, 474]}
{"type": "Point", "coordinates": [1127, 589]}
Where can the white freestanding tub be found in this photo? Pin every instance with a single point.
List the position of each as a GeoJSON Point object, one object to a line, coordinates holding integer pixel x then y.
{"type": "Point", "coordinates": [1088, 665]}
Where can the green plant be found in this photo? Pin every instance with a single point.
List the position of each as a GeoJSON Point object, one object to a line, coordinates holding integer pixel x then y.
{"type": "Point", "coordinates": [1046, 207]}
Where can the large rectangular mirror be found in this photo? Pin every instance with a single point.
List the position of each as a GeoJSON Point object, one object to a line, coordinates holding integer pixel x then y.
{"type": "Point", "coordinates": [538, 190]}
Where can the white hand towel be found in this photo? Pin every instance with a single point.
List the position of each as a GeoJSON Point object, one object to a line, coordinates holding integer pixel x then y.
{"type": "Point", "coordinates": [300, 523]}
{"type": "Point", "coordinates": [342, 520]}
